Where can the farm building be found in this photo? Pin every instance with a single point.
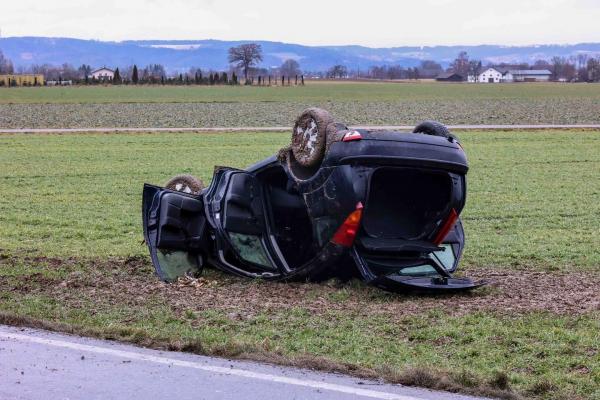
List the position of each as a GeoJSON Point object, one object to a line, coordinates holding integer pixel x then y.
{"type": "Point", "coordinates": [449, 77]}
{"type": "Point", "coordinates": [527, 75]}
{"type": "Point", "coordinates": [22, 80]}
{"type": "Point", "coordinates": [495, 75]}
{"type": "Point", "coordinates": [490, 75]}
{"type": "Point", "coordinates": [103, 74]}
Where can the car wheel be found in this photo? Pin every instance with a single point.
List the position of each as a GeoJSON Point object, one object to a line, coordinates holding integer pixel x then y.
{"type": "Point", "coordinates": [186, 184]}
{"type": "Point", "coordinates": [433, 128]}
{"type": "Point", "coordinates": [309, 137]}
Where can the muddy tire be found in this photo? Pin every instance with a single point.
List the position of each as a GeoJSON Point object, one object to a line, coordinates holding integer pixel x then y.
{"type": "Point", "coordinates": [186, 184]}
{"type": "Point", "coordinates": [309, 137]}
{"type": "Point", "coordinates": [433, 128]}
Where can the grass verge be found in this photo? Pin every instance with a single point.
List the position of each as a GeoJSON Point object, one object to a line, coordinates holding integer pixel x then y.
{"type": "Point", "coordinates": [450, 343]}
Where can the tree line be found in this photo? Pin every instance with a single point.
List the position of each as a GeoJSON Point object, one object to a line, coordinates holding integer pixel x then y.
{"type": "Point", "coordinates": [244, 61]}
{"type": "Point", "coordinates": [580, 68]}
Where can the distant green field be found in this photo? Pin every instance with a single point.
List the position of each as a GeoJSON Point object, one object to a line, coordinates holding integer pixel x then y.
{"type": "Point", "coordinates": [311, 92]}
{"type": "Point", "coordinates": [71, 259]}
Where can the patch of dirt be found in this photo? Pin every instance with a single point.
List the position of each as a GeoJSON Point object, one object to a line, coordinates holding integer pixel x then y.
{"type": "Point", "coordinates": [131, 281]}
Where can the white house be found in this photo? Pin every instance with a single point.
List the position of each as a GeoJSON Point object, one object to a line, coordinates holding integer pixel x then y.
{"type": "Point", "coordinates": [490, 75]}
{"type": "Point", "coordinates": [102, 74]}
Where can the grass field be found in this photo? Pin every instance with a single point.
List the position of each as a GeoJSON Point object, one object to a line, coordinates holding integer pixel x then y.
{"type": "Point", "coordinates": [353, 103]}
{"type": "Point", "coordinates": [71, 260]}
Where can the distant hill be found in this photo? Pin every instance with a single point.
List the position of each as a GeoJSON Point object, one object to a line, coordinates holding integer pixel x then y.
{"type": "Point", "coordinates": [179, 55]}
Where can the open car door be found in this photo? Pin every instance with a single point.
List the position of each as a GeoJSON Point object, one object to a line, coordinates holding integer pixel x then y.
{"type": "Point", "coordinates": [240, 216]}
{"type": "Point", "coordinates": [174, 230]}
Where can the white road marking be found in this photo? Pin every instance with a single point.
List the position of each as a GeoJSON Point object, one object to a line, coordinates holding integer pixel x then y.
{"type": "Point", "coordinates": [210, 368]}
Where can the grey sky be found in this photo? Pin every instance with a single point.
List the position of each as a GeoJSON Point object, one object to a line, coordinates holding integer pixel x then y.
{"type": "Point", "coordinates": [374, 23]}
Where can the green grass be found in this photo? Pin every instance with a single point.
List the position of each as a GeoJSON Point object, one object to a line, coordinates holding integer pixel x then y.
{"type": "Point", "coordinates": [312, 92]}
{"type": "Point", "coordinates": [533, 203]}
{"type": "Point", "coordinates": [533, 198]}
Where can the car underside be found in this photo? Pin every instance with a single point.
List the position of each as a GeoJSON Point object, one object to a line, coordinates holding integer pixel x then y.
{"type": "Point", "coordinates": [380, 206]}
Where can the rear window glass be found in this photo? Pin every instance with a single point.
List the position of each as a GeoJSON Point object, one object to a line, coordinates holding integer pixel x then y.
{"type": "Point", "coordinates": [444, 257]}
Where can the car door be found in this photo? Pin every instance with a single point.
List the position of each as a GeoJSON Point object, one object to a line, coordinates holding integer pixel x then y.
{"type": "Point", "coordinates": [239, 213]}
{"type": "Point", "coordinates": [175, 231]}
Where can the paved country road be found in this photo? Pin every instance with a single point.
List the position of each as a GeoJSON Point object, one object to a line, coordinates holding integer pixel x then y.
{"type": "Point", "coordinates": [35, 364]}
{"type": "Point", "coordinates": [286, 129]}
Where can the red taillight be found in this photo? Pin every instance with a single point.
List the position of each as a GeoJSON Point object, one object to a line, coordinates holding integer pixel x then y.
{"type": "Point", "coordinates": [346, 234]}
{"type": "Point", "coordinates": [351, 136]}
{"type": "Point", "coordinates": [446, 227]}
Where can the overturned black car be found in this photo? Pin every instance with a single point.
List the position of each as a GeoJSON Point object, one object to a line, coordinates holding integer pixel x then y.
{"type": "Point", "coordinates": [383, 206]}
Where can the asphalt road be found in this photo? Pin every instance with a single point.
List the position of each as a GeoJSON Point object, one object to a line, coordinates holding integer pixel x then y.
{"type": "Point", "coordinates": [36, 364]}
{"type": "Point", "coordinates": [287, 128]}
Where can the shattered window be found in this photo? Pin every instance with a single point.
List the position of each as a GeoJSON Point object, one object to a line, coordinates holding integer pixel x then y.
{"type": "Point", "coordinates": [174, 264]}
{"type": "Point", "coordinates": [250, 248]}
{"type": "Point", "coordinates": [419, 270]}
{"type": "Point", "coordinates": [444, 257]}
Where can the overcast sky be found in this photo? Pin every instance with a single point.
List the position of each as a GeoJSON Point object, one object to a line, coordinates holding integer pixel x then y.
{"type": "Point", "coordinates": [374, 23]}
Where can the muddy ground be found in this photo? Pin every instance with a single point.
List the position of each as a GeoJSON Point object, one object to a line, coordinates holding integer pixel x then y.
{"type": "Point", "coordinates": [131, 281]}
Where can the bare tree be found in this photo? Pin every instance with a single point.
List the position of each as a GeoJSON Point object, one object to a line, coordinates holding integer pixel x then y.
{"type": "Point", "coordinates": [461, 64]}
{"type": "Point", "coordinates": [430, 69]}
{"type": "Point", "coordinates": [582, 60]}
{"type": "Point", "coordinates": [290, 68]}
{"type": "Point", "coordinates": [593, 70]}
{"type": "Point", "coordinates": [541, 64]}
{"type": "Point", "coordinates": [153, 73]}
{"type": "Point", "coordinates": [68, 72]}
{"type": "Point", "coordinates": [245, 56]}
{"type": "Point", "coordinates": [562, 69]}
{"type": "Point", "coordinates": [337, 71]}
{"type": "Point", "coordinates": [6, 66]}
{"type": "Point", "coordinates": [475, 69]}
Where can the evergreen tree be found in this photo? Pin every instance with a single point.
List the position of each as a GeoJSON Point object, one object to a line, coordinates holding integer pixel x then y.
{"type": "Point", "coordinates": [234, 79]}
{"type": "Point", "coordinates": [162, 79]}
{"type": "Point", "coordinates": [117, 77]}
{"type": "Point", "coordinates": [134, 75]}
{"type": "Point", "coordinates": [224, 78]}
